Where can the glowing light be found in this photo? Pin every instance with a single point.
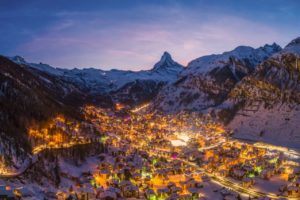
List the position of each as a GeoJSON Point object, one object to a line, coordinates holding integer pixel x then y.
{"type": "Point", "coordinates": [178, 143]}
{"type": "Point", "coordinates": [274, 160]}
{"type": "Point", "coordinates": [119, 106]}
{"type": "Point", "coordinates": [181, 140]}
{"type": "Point", "coordinates": [152, 197]}
{"type": "Point", "coordinates": [184, 137]}
{"type": "Point", "coordinates": [146, 174]}
{"type": "Point", "coordinates": [154, 161]}
{"type": "Point", "coordinates": [103, 139]}
{"type": "Point", "coordinates": [174, 155]}
{"type": "Point", "coordinates": [251, 175]}
{"type": "Point", "coordinates": [258, 169]}
{"type": "Point", "coordinates": [135, 110]}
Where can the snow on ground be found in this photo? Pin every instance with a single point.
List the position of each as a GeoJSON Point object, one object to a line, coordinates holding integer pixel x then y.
{"type": "Point", "coordinates": [90, 165]}
{"type": "Point", "coordinates": [269, 186]}
{"type": "Point", "coordinates": [208, 190]}
{"type": "Point", "coordinates": [278, 126]}
{"type": "Point", "coordinates": [173, 99]}
{"type": "Point", "coordinates": [33, 190]}
{"type": "Point", "coordinates": [214, 191]}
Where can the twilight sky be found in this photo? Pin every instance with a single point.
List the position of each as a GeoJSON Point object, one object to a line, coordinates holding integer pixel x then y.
{"type": "Point", "coordinates": [133, 34]}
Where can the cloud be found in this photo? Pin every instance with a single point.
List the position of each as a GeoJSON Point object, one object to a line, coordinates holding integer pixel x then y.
{"type": "Point", "coordinates": [94, 39]}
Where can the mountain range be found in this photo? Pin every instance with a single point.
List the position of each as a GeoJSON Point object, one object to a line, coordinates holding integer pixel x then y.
{"type": "Point", "coordinates": [254, 91]}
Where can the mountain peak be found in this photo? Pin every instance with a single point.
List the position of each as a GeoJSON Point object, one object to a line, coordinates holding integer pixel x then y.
{"type": "Point", "coordinates": [247, 50]}
{"type": "Point", "coordinates": [166, 55]}
{"type": "Point", "coordinates": [243, 49]}
{"type": "Point", "coordinates": [166, 62]}
{"type": "Point", "coordinates": [293, 47]}
{"type": "Point", "coordinates": [250, 56]}
{"type": "Point", "coordinates": [18, 59]}
{"type": "Point", "coordinates": [166, 58]}
{"type": "Point", "coordinates": [273, 47]}
{"type": "Point", "coordinates": [294, 42]}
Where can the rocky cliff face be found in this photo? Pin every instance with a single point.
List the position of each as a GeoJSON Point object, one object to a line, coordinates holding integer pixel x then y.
{"type": "Point", "coordinates": [207, 81]}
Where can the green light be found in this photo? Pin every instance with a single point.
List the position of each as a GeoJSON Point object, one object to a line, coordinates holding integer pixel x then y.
{"type": "Point", "coordinates": [274, 160]}
{"type": "Point", "coordinates": [145, 174]}
{"type": "Point", "coordinates": [154, 161]}
{"type": "Point", "coordinates": [152, 197]}
{"type": "Point", "coordinates": [115, 176]}
{"type": "Point", "coordinates": [251, 175]}
{"type": "Point", "coordinates": [103, 139]}
{"type": "Point", "coordinates": [93, 183]}
{"type": "Point", "coordinates": [258, 169]}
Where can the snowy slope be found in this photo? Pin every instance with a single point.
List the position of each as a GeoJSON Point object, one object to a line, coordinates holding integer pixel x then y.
{"type": "Point", "coordinates": [279, 125]}
{"type": "Point", "coordinates": [293, 47]}
{"type": "Point", "coordinates": [42, 67]}
{"type": "Point", "coordinates": [207, 80]}
{"type": "Point", "coordinates": [271, 100]}
{"type": "Point", "coordinates": [248, 55]}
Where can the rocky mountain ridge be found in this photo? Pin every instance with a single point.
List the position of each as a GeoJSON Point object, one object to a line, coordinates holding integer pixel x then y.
{"type": "Point", "coordinates": [207, 81]}
{"type": "Point", "coordinates": [269, 100]}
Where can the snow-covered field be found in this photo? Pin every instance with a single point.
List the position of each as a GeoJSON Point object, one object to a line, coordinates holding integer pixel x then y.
{"type": "Point", "coordinates": [279, 126]}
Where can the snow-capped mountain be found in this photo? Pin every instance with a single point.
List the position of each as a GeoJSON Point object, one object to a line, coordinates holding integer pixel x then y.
{"type": "Point", "coordinates": [144, 85]}
{"type": "Point", "coordinates": [293, 47]}
{"type": "Point", "coordinates": [266, 105]}
{"type": "Point", "coordinates": [40, 66]}
{"type": "Point", "coordinates": [96, 81]}
{"type": "Point", "coordinates": [207, 80]}
{"type": "Point", "coordinates": [167, 64]}
{"type": "Point", "coordinates": [248, 56]}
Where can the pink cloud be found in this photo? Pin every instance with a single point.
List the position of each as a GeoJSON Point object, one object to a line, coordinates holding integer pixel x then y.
{"type": "Point", "coordinates": [136, 45]}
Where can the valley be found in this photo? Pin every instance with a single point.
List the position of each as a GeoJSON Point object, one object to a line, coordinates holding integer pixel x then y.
{"type": "Point", "coordinates": [223, 127]}
{"type": "Point", "coordinates": [161, 156]}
